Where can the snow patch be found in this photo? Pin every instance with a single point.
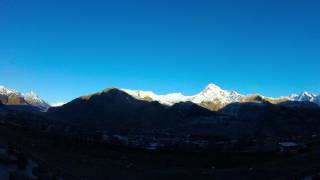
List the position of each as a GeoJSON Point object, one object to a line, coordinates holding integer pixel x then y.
{"type": "Point", "coordinates": [57, 104]}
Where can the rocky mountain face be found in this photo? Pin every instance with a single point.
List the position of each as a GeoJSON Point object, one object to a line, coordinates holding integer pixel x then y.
{"type": "Point", "coordinates": [16, 99]}
{"type": "Point", "coordinates": [11, 97]}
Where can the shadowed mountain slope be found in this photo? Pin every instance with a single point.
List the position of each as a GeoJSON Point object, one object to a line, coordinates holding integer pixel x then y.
{"type": "Point", "coordinates": [283, 119]}
{"type": "Point", "coordinates": [113, 108]}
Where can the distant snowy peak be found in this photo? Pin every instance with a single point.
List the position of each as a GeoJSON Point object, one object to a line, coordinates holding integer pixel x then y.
{"type": "Point", "coordinates": [30, 98]}
{"type": "Point", "coordinates": [305, 97]}
{"type": "Point", "coordinates": [33, 99]}
{"type": "Point", "coordinates": [7, 91]}
{"type": "Point", "coordinates": [212, 88]}
{"type": "Point", "coordinates": [214, 93]}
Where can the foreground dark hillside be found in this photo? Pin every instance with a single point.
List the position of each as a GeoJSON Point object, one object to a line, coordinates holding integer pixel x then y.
{"type": "Point", "coordinates": [76, 160]}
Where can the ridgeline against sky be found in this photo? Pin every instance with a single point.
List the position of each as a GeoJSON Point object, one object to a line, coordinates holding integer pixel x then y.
{"type": "Point", "coordinates": [64, 49]}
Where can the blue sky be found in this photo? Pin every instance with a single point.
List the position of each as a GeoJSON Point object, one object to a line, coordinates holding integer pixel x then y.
{"type": "Point", "coordinates": [64, 49]}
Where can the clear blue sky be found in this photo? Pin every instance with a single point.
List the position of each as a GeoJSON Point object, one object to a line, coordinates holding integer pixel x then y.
{"type": "Point", "coordinates": [63, 49]}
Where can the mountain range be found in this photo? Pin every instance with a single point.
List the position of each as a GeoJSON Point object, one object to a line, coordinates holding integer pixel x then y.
{"type": "Point", "coordinates": [248, 116]}
{"type": "Point", "coordinates": [214, 98]}
{"type": "Point", "coordinates": [211, 97]}
{"type": "Point", "coordinates": [213, 111]}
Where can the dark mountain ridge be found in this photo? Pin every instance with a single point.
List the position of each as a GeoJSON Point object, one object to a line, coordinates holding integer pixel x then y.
{"type": "Point", "coordinates": [115, 109]}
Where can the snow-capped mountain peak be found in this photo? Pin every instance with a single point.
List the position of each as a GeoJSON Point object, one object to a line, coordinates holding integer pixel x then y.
{"type": "Point", "coordinates": [31, 95]}
{"type": "Point", "coordinates": [212, 88]}
{"type": "Point", "coordinates": [308, 94]}
{"type": "Point", "coordinates": [214, 93]}
{"type": "Point", "coordinates": [305, 96]}
{"type": "Point", "coordinates": [33, 99]}
{"type": "Point", "coordinates": [30, 98]}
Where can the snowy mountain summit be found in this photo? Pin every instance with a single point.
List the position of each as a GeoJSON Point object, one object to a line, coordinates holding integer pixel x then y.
{"type": "Point", "coordinates": [33, 99]}
{"type": "Point", "coordinates": [7, 91]}
{"type": "Point", "coordinates": [306, 97]}
{"type": "Point", "coordinates": [214, 93]}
